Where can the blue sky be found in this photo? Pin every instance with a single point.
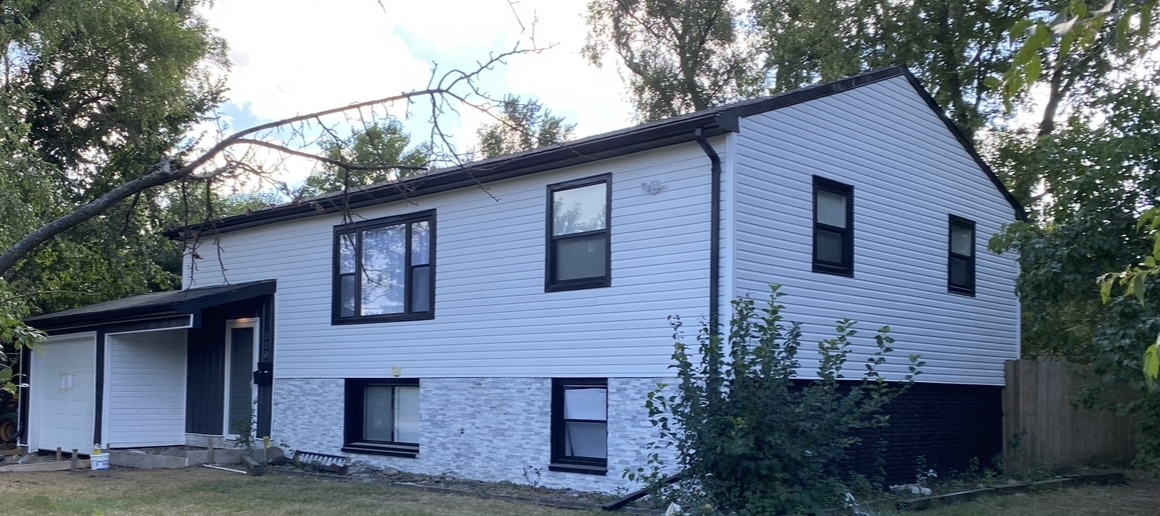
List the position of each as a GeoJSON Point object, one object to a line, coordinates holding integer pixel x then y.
{"type": "Point", "coordinates": [296, 56]}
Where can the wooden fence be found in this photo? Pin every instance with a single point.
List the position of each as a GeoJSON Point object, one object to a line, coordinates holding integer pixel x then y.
{"type": "Point", "coordinates": [1041, 427]}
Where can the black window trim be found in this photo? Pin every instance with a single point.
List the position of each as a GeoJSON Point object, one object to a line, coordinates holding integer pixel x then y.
{"type": "Point", "coordinates": [336, 317]}
{"type": "Point", "coordinates": [550, 283]}
{"type": "Point", "coordinates": [835, 187]}
{"type": "Point", "coordinates": [966, 290]}
{"type": "Point", "coordinates": [561, 462]}
{"type": "Point", "coordinates": [354, 416]}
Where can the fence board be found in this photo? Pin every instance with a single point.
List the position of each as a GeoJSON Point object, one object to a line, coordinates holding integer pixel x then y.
{"type": "Point", "coordinates": [1041, 427]}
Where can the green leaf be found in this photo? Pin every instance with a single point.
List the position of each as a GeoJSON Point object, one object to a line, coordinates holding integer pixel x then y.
{"type": "Point", "coordinates": [1034, 69]}
{"type": "Point", "coordinates": [1146, 20]}
{"type": "Point", "coordinates": [1124, 27]}
{"type": "Point", "coordinates": [1138, 286]}
{"type": "Point", "coordinates": [1020, 27]}
{"type": "Point", "coordinates": [1152, 363]}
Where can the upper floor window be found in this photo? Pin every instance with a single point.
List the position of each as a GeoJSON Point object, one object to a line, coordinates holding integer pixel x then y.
{"type": "Point", "coordinates": [384, 270]}
{"type": "Point", "coordinates": [961, 262]}
{"type": "Point", "coordinates": [579, 254]}
{"type": "Point", "coordinates": [833, 227]}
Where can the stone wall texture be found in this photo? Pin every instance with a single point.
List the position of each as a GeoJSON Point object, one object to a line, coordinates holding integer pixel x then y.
{"type": "Point", "coordinates": [490, 429]}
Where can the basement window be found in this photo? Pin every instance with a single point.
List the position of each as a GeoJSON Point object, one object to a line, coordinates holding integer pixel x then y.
{"type": "Point", "coordinates": [382, 417]}
{"type": "Point", "coordinates": [580, 425]}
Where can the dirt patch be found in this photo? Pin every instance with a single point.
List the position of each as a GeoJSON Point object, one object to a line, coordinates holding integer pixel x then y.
{"type": "Point", "coordinates": [448, 484]}
{"type": "Point", "coordinates": [197, 490]}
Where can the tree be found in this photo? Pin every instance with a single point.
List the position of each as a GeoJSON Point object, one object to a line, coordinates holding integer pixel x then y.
{"type": "Point", "coordinates": [92, 91]}
{"type": "Point", "coordinates": [522, 126]}
{"type": "Point", "coordinates": [751, 438]}
{"type": "Point", "coordinates": [372, 150]}
{"type": "Point", "coordinates": [95, 112]}
{"type": "Point", "coordinates": [1096, 174]}
{"type": "Point", "coordinates": [681, 56]}
{"type": "Point", "coordinates": [953, 47]}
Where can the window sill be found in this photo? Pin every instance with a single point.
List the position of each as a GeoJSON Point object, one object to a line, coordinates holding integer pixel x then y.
{"type": "Point", "coordinates": [836, 271]}
{"type": "Point", "coordinates": [961, 291]}
{"type": "Point", "coordinates": [409, 452]}
{"type": "Point", "coordinates": [579, 285]}
{"type": "Point", "coordinates": [375, 319]}
{"type": "Point", "coordinates": [577, 468]}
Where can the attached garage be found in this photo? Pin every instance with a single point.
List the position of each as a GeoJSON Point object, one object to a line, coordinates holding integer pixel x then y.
{"type": "Point", "coordinates": [161, 369]}
{"type": "Point", "coordinates": [63, 374]}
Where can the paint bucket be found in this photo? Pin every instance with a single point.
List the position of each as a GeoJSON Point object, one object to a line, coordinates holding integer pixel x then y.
{"type": "Point", "coordinates": [99, 461]}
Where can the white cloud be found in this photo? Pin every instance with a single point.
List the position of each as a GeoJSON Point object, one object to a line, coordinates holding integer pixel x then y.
{"type": "Point", "coordinates": [297, 56]}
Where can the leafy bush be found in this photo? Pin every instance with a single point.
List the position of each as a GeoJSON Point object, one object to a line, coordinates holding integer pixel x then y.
{"type": "Point", "coordinates": [748, 438]}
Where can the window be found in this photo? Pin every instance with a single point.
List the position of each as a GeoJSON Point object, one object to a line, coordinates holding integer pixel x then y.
{"type": "Point", "coordinates": [961, 262]}
{"type": "Point", "coordinates": [382, 417]}
{"type": "Point", "coordinates": [384, 270]}
{"type": "Point", "coordinates": [580, 425]}
{"type": "Point", "coordinates": [833, 227]}
{"type": "Point", "coordinates": [578, 237]}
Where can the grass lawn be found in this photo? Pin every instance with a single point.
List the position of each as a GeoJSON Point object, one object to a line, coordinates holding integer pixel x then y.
{"type": "Point", "coordinates": [1141, 496]}
{"type": "Point", "coordinates": [206, 491]}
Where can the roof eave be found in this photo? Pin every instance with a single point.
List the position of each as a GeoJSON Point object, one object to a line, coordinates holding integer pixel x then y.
{"type": "Point", "coordinates": [550, 158]}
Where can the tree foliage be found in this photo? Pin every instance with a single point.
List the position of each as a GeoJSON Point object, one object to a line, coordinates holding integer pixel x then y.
{"type": "Point", "coordinates": [749, 437]}
{"type": "Point", "coordinates": [93, 93]}
{"type": "Point", "coordinates": [681, 56]}
{"type": "Point", "coordinates": [374, 154]}
{"type": "Point", "coordinates": [522, 126]}
{"type": "Point", "coordinates": [97, 108]}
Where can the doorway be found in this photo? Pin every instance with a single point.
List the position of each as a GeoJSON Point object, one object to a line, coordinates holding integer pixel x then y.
{"type": "Point", "coordinates": [241, 394]}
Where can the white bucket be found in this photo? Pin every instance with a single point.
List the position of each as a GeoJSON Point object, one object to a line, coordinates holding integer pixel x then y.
{"type": "Point", "coordinates": [99, 461]}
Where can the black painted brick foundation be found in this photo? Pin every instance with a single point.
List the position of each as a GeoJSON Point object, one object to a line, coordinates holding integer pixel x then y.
{"type": "Point", "coordinates": [946, 425]}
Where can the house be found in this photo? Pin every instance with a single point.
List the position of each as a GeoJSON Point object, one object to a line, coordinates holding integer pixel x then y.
{"type": "Point", "coordinates": [505, 320]}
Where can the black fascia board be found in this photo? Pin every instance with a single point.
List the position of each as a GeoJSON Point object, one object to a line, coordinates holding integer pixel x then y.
{"type": "Point", "coordinates": [163, 309]}
{"type": "Point", "coordinates": [968, 146]}
{"type": "Point", "coordinates": [680, 129]}
{"type": "Point", "coordinates": [618, 143]}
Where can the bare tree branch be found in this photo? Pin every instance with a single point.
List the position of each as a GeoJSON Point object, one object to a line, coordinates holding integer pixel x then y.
{"type": "Point", "coordinates": [169, 170]}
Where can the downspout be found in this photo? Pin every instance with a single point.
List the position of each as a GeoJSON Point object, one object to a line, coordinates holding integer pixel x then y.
{"type": "Point", "coordinates": [714, 280]}
{"type": "Point", "coordinates": [714, 228]}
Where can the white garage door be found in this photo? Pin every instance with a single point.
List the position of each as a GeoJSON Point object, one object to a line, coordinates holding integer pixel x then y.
{"type": "Point", "coordinates": [145, 389]}
{"type": "Point", "coordinates": [63, 393]}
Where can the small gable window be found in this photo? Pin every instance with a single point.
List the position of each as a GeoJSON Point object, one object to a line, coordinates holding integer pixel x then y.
{"type": "Point", "coordinates": [961, 260]}
{"type": "Point", "coordinates": [384, 270]}
{"type": "Point", "coordinates": [579, 254]}
{"type": "Point", "coordinates": [833, 227]}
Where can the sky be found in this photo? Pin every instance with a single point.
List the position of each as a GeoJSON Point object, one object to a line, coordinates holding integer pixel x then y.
{"type": "Point", "coordinates": [296, 56]}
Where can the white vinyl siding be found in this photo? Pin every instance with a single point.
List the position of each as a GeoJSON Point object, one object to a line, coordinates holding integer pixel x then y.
{"type": "Point", "coordinates": [63, 393]}
{"type": "Point", "coordinates": [492, 315]}
{"type": "Point", "coordinates": [909, 173]}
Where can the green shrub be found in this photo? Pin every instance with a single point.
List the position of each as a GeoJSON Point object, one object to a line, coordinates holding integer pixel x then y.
{"type": "Point", "coordinates": [748, 439]}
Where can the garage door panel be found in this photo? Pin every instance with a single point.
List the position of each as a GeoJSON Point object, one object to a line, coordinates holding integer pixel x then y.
{"type": "Point", "coordinates": [145, 389]}
{"type": "Point", "coordinates": [63, 391]}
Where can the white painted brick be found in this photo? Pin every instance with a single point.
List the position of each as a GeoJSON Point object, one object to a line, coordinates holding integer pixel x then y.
{"type": "Point", "coordinates": [490, 429]}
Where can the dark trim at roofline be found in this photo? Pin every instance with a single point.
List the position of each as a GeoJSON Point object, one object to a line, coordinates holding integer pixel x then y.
{"type": "Point", "coordinates": [967, 145]}
{"type": "Point", "coordinates": [671, 131]}
{"type": "Point", "coordinates": [92, 320]}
